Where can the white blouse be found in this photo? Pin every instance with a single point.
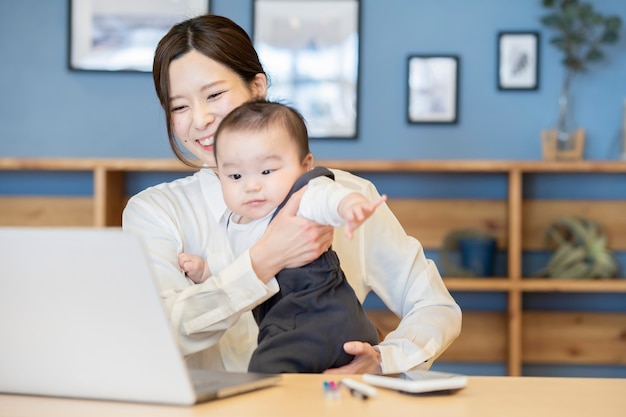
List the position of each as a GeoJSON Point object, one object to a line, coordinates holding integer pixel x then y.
{"type": "Point", "coordinates": [212, 320]}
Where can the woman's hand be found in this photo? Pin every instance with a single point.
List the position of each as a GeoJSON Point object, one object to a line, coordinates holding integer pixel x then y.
{"type": "Point", "coordinates": [290, 241]}
{"type": "Point", "coordinates": [366, 360]}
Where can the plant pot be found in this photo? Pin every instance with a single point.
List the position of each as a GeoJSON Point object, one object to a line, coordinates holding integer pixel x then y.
{"type": "Point", "coordinates": [553, 152]}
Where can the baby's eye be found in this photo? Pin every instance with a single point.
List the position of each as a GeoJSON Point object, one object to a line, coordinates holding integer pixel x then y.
{"type": "Point", "coordinates": [266, 172]}
{"type": "Point", "coordinates": [235, 176]}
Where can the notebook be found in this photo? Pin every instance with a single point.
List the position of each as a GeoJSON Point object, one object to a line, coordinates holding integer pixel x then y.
{"type": "Point", "coordinates": [80, 316]}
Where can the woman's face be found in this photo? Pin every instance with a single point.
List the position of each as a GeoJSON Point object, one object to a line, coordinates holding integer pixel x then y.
{"type": "Point", "coordinates": [203, 92]}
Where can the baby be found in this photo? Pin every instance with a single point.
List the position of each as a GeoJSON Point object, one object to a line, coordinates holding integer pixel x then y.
{"type": "Point", "coordinates": [263, 157]}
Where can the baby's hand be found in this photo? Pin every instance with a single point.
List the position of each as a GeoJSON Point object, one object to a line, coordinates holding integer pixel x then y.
{"type": "Point", "coordinates": [355, 209]}
{"type": "Point", "coordinates": [193, 266]}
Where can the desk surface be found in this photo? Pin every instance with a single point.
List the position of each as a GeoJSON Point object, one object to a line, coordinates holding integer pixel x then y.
{"type": "Point", "coordinates": [302, 395]}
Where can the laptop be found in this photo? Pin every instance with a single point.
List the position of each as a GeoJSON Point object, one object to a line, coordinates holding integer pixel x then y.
{"type": "Point", "coordinates": [80, 317]}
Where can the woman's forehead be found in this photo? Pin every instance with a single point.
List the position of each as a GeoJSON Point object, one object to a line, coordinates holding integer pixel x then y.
{"type": "Point", "coordinates": [198, 69]}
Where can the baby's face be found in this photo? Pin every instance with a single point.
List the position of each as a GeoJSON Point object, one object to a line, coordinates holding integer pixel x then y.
{"type": "Point", "coordinates": [257, 170]}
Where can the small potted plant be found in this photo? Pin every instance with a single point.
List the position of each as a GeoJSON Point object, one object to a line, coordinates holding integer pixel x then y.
{"type": "Point", "coordinates": [581, 34]}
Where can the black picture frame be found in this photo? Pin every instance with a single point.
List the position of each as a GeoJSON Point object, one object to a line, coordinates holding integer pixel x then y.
{"type": "Point", "coordinates": [311, 52]}
{"type": "Point", "coordinates": [518, 60]}
{"type": "Point", "coordinates": [433, 89]}
{"type": "Point", "coordinates": [121, 36]}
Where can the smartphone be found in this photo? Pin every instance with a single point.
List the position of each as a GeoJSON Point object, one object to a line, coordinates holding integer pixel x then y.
{"type": "Point", "coordinates": [419, 382]}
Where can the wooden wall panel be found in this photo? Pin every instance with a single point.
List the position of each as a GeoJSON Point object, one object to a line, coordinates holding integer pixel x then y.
{"type": "Point", "coordinates": [109, 197]}
{"type": "Point", "coordinates": [46, 211]}
{"type": "Point", "coordinates": [547, 337]}
{"type": "Point", "coordinates": [538, 214]}
{"type": "Point", "coordinates": [431, 220]}
{"type": "Point", "coordinates": [580, 338]}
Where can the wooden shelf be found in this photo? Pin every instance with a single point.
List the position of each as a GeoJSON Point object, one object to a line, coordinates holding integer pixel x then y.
{"type": "Point", "coordinates": [563, 285]}
{"type": "Point", "coordinates": [357, 165]}
{"type": "Point", "coordinates": [478, 284]}
{"type": "Point", "coordinates": [617, 285]}
{"type": "Point", "coordinates": [518, 221]}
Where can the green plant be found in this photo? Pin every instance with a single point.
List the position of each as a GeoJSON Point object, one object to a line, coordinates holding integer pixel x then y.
{"type": "Point", "coordinates": [580, 250]}
{"type": "Point", "coordinates": [581, 33]}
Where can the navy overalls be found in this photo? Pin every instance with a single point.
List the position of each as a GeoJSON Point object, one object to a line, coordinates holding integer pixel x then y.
{"type": "Point", "coordinates": [303, 327]}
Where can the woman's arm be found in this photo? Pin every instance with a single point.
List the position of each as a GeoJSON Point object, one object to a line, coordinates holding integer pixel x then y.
{"type": "Point", "coordinates": [173, 219]}
{"type": "Point", "coordinates": [201, 313]}
{"type": "Point", "coordinates": [383, 259]}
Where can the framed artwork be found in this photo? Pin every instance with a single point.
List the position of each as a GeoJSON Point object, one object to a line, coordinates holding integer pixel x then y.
{"type": "Point", "coordinates": [433, 89]}
{"type": "Point", "coordinates": [518, 60]}
{"type": "Point", "coordinates": [310, 51]}
{"type": "Point", "coordinates": [121, 35]}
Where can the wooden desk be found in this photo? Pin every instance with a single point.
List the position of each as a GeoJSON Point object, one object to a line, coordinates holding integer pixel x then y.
{"type": "Point", "coordinates": [302, 395]}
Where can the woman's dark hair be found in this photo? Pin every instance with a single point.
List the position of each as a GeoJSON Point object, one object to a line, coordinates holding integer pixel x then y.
{"type": "Point", "coordinates": [216, 37]}
{"type": "Point", "coordinates": [259, 115]}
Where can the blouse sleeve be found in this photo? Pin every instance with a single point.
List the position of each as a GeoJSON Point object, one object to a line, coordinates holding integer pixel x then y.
{"type": "Point", "coordinates": [200, 313]}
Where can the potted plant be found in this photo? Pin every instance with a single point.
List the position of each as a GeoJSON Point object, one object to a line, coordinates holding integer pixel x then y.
{"type": "Point", "coordinates": [581, 34]}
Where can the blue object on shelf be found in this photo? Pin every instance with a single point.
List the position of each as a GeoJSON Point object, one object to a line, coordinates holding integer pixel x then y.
{"type": "Point", "coordinates": [477, 255]}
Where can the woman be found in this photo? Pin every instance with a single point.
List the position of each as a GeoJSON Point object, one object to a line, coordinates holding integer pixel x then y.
{"type": "Point", "coordinates": [204, 68]}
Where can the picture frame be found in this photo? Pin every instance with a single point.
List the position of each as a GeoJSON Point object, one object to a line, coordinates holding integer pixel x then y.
{"type": "Point", "coordinates": [433, 89]}
{"type": "Point", "coordinates": [518, 60]}
{"type": "Point", "coordinates": [122, 35]}
{"type": "Point", "coordinates": [310, 51]}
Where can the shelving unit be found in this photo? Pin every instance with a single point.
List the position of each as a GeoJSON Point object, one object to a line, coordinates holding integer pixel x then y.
{"type": "Point", "coordinates": [514, 337]}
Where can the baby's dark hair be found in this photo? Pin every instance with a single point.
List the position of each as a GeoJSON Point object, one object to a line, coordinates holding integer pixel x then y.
{"type": "Point", "coordinates": [259, 115]}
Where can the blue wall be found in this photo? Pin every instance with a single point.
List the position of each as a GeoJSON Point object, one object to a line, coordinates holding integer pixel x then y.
{"type": "Point", "coordinates": [48, 110]}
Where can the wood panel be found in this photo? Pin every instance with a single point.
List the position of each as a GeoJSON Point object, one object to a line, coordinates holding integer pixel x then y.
{"type": "Point", "coordinates": [108, 197]}
{"type": "Point", "coordinates": [514, 255]}
{"type": "Point", "coordinates": [46, 211]}
{"type": "Point", "coordinates": [538, 214]}
{"type": "Point", "coordinates": [574, 338]}
{"type": "Point", "coordinates": [431, 220]}
{"type": "Point", "coordinates": [547, 337]}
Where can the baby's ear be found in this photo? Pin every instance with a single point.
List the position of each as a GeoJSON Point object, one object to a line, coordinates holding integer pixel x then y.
{"type": "Point", "coordinates": [308, 162]}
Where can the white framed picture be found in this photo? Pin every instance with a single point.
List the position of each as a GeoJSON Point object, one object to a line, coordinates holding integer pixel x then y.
{"type": "Point", "coordinates": [518, 60]}
{"type": "Point", "coordinates": [310, 50]}
{"type": "Point", "coordinates": [122, 35]}
{"type": "Point", "coordinates": [433, 89]}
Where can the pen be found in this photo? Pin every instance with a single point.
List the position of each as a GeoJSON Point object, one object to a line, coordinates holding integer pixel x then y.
{"type": "Point", "coordinates": [359, 389]}
{"type": "Point", "coordinates": [331, 390]}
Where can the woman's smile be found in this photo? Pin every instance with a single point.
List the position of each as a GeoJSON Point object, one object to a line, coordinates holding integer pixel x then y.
{"type": "Point", "coordinates": [206, 143]}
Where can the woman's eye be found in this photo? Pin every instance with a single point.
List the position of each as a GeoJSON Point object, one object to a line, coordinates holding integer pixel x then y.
{"type": "Point", "coordinates": [214, 95]}
{"type": "Point", "coordinates": [178, 109]}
